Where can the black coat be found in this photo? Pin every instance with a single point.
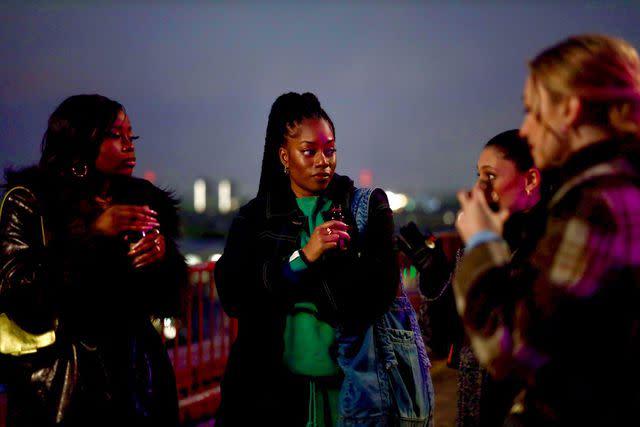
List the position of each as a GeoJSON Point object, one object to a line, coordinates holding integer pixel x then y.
{"type": "Point", "coordinates": [256, 286]}
{"type": "Point", "coordinates": [108, 363]}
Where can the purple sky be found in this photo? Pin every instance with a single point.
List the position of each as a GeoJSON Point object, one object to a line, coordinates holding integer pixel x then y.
{"type": "Point", "coordinates": [414, 88]}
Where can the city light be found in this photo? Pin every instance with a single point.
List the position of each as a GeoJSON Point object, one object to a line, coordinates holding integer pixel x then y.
{"type": "Point", "coordinates": [169, 328]}
{"type": "Point", "coordinates": [449, 217]}
{"type": "Point", "coordinates": [199, 195]}
{"type": "Point", "coordinates": [396, 200]}
{"type": "Point", "coordinates": [192, 259]}
{"type": "Point", "coordinates": [366, 178]}
{"type": "Point", "coordinates": [224, 196]}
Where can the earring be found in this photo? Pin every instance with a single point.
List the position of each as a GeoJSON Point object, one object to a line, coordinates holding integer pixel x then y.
{"type": "Point", "coordinates": [79, 169]}
{"type": "Point", "coordinates": [528, 191]}
{"type": "Point", "coordinates": [286, 170]}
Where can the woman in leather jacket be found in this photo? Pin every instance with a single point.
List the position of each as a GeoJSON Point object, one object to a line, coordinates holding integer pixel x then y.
{"type": "Point", "coordinates": [281, 250]}
{"type": "Point", "coordinates": [74, 266]}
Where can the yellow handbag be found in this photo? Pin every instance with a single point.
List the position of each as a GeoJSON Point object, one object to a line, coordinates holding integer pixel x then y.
{"type": "Point", "coordinates": [14, 340]}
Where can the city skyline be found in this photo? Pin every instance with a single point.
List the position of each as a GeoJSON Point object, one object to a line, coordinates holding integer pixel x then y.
{"type": "Point", "coordinates": [414, 88]}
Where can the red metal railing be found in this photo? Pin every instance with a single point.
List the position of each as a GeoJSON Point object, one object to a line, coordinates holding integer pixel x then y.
{"type": "Point", "coordinates": [201, 346]}
{"type": "Point", "coordinates": [199, 343]}
{"type": "Point", "coordinates": [200, 363]}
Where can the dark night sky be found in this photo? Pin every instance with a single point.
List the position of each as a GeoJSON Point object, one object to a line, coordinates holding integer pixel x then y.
{"type": "Point", "coordinates": [414, 88]}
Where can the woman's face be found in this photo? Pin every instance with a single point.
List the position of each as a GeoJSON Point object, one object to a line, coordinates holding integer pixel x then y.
{"type": "Point", "coordinates": [117, 153]}
{"type": "Point", "coordinates": [508, 182]}
{"type": "Point", "coordinates": [543, 127]}
{"type": "Point", "coordinates": [309, 153]}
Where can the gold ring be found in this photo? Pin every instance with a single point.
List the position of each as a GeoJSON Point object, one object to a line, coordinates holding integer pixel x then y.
{"type": "Point", "coordinates": [328, 231]}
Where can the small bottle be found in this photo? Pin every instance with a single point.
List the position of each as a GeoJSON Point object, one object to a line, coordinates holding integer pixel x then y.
{"type": "Point", "coordinates": [335, 213]}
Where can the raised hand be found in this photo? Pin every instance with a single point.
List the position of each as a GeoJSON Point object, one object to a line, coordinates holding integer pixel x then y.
{"type": "Point", "coordinates": [475, 214]}
{"type": "Point", "coordinates": [151, 248]}
{"type": "Point", "coordinates": [325, 237]}
{"type": "Point", "coordinates": [120, 218]}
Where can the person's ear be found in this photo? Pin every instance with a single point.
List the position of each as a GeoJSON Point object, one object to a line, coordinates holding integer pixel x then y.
{"type": "Point", "coordinates": [572, 110]}
{"type": "Point", "coordinates": [284, 157]}
{"type": "Point", "coordinates": [532, 180]}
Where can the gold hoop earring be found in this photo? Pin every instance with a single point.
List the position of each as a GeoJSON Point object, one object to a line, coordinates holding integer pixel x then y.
{"type": "Point", "coordinates": [79, 169]}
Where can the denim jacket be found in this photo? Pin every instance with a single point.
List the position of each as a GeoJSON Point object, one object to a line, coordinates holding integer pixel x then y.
{"type": "Point", "coordinates": [387, 381]}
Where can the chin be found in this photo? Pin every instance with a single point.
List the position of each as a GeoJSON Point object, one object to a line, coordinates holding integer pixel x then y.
{"type": "Point", "coordinates": [323, 187]}
{"type": "Point", "coordinates": [126, 172]}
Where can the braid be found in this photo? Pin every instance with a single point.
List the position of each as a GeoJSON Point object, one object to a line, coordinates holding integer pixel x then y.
{"type": "Point", "coordinates": [287, 111]}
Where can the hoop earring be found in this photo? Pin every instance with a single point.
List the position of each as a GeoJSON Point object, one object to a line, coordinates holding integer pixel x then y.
{"type": "Point", "coordinates": [286, 170]}
{"type": "Point", "coordinates": [79, 169]}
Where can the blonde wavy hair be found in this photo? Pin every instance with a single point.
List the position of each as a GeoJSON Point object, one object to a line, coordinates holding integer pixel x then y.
{"type": "Point", "coordinates": [603, 71]}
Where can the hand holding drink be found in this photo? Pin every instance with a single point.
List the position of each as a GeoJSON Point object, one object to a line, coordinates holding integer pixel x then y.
{"type": "Point", "coordinates": [330, 235]}
{"type": "Point", "coordinates": [336, 214]}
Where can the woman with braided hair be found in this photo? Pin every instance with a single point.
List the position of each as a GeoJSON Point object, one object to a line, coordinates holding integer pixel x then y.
{"type": "Point", "coordinates": [284, 249]}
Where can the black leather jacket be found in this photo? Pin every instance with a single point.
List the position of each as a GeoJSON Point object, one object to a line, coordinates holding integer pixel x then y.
{"type": "Point", "coordinates": [108, 363]}
{"type": "Point", "coordinates": [256, 286]}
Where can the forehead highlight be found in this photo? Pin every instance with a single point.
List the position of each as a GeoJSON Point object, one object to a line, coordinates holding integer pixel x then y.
{"type": "Point", "coordinates": [121, 120]}
{"type": "Point", "coordinates": [313, 124]}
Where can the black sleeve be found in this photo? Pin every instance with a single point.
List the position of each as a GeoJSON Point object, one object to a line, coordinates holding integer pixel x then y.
{"type": "Point", "coordinates": [25, 288]}
{"type": "Point", "coordinates": [366, 280]}
{"type": "Point", "coordinates": [249, 279]}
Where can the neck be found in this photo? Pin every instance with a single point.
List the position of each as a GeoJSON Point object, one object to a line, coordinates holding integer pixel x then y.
{"type": "Point", "coordinates": [527, 203]}
{"type": "Point", "coordinates": [533, 200]}
{"type": "Point", "coordinates": [586, 135]}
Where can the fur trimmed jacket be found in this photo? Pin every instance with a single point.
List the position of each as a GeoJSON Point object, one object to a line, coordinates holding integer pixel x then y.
{"type": "Point", "coordinates": [108, 363]}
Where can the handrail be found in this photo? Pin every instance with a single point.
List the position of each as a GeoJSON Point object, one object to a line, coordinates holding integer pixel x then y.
{"type": "Point", "coordinates": [199, 363]}
{"type": "Point", "coordinates": [201, 346]}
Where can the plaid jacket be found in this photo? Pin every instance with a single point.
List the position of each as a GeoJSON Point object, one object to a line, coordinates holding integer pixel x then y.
{"type": "Point", "coordinates": [568, 322]}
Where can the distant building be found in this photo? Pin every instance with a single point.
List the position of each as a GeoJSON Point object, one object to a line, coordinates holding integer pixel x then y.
{"type": "Point", "coordinates": [200, 195]}
{"type": "Point", "coordinates": [224, 196]}
{"type": "Point", "coordinates": [227, 198]}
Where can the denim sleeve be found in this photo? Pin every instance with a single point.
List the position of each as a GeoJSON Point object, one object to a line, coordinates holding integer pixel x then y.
{"type": "Point", "coordinates": [481, 237]}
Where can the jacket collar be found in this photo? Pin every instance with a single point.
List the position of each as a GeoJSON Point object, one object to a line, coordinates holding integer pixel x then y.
{"type": "Point", "coordinates": [605, 158]}
{"type": "Point", "coordinates": [283, 203]}
{"type": "Point", "coordinates": [590, 156]}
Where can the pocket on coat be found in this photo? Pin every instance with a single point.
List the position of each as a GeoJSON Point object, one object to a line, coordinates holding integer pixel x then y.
{"type": "Point", "coordinates": [406, 382]}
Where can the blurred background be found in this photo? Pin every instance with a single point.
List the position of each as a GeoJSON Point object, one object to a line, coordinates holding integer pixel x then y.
{"type": "Point", "coordinates": [415, 88]}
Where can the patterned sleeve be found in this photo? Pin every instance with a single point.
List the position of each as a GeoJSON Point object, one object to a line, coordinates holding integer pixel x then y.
{"type": "Point", "coordinates": [514, 318]}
